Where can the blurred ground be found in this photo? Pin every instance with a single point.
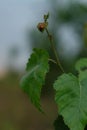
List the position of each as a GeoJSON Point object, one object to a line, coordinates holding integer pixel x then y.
{"type": "Point", "coordinates": [16, 111]}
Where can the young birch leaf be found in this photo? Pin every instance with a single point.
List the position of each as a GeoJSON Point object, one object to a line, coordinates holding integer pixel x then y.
{"type": "Point", "coordinates": [71, 98]}
{"type": "Point", "coordinates": [81, 65]}
{"type": "Point", "coordinates": [32, 81]}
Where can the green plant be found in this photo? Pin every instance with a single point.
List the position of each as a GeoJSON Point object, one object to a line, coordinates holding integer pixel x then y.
{"type": "Point", "coordinates": [71, 90]}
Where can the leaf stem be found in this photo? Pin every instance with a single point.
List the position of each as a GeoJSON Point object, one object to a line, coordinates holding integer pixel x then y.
{"type": "Point", "coordinates": [54, 50]}
{"type": "Point", "coordinates": [53, 61]}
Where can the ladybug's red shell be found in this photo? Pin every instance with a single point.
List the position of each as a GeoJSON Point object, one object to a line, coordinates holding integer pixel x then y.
{"type": "Point", "coordinates": [41, 27]}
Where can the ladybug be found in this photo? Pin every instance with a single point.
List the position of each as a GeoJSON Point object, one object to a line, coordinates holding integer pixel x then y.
{"type": "Point", "coordinates": [41, 26]}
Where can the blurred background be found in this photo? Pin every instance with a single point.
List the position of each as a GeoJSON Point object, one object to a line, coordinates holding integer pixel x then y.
{"type": "Point", "coordinates": [18, 35]}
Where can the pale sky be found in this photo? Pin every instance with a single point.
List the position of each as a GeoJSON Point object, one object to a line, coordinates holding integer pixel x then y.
{"type": "Point", "coordinates": [15, 17]}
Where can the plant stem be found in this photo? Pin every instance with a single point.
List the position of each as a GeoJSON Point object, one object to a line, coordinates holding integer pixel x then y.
{"type": "Point", "coordinates": [54, 50]}
{"type": "Point", "coordinates": [53, 61]}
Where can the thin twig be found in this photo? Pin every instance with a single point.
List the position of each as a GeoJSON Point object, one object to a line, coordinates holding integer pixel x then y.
{"type": "Point", "coordinates": [54, 50]}
{"type": "Point", "coordinates": [53, 61]}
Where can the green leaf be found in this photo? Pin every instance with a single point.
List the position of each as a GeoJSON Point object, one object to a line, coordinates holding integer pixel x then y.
{"type": "Point", "coordinates": [81, 64]}
{"type": "Point", "coordinates": [32, 81]}
{"type": "Point", "coordinates": [71, 98]}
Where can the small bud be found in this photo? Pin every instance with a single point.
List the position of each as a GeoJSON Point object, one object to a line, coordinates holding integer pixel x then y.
{"type": "Point", "coordinates": [46, 17]}
{"type": "Point", "coordinates": [41, 26]}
